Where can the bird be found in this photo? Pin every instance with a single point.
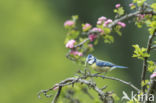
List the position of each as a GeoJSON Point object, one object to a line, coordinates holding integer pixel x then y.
{"type": "Point", "coordinates": [101, 66]}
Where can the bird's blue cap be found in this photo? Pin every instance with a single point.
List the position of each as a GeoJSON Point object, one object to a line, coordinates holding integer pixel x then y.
{"type": "Point", "coordinates": [89, 55]}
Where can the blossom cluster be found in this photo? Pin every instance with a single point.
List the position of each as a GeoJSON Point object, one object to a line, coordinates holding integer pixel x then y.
{"type": "Point", "coordinates": [69, 23]}
{"type": "Point", "coordinates": [91, 32]}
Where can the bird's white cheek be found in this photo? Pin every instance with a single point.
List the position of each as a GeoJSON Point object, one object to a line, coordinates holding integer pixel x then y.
{"type": "Point", "coordinates": [91, 61]}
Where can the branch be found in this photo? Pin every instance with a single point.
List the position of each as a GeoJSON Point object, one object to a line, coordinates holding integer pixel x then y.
{"type": "Point", "coordinates": [78, 45]}
{"type": "Point", "coordinates": [82, 80]}
{"type": "Point", "coordinates": [131, 15]}
{"type": "Point", "coordinates": [57, 95]}
{"type": "Point", "coordinates": [116, 79]}
{"type": "Point", "coordinates": [144, 69]}
{"type": "Point", "coordinates": [124, 18]}
{"type": "Point", "coordinates": [71, 81]}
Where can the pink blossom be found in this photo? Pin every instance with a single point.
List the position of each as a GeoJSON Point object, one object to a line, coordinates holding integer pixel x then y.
{"type": "Point", "coordinates": [117, 5]}
{"type": "Point", "coordinates": [107, 22]}
{"type": "Point", "coordinates": [102, 18]}
{"type": "Point", "coordinates": [70, 44]}
{"type": "Point", "coordinates": [96, 30]}
{"type": "Point", "coordinates": [76, 53]}
{"type": "Point", "coordinates": [92, 37]}
{"type": "Point", "coordinates": [69, 23]}
{"type": "Point", "coordinates": [86, 27]}
{"type": "Point", "coordinates": [153, 75]}
{"type": "Point", "coordinates": [121, 24]}
{"type": "Point", "coordinates": [99, 22]}
{"type": "Point", "coordinates": [131, 4]}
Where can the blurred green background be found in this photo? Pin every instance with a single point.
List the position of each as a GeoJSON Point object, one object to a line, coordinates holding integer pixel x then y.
{"type": "Point", "coordinates": [32, 52]}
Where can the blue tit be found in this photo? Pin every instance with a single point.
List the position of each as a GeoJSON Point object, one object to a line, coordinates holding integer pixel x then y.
{"type": "Point", "coordinates": [101, 66]}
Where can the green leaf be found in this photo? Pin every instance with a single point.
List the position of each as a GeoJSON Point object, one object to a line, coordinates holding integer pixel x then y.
{"type": "Point", "coordinates": [117, 30]}
{"type": "Point", "coordinates": [96, 42]}
{"type": "Point", "coordinates": [152, 26]}
{"type": "Point", "coordinates": [106, 30]}
{"type": "Point", "coordinates": [139, 24]}
{"type": "Point", "coordinates": [139, 2]}
{"type": "Point", "coordinates": [115, 10]}
{"type": "Point", "coordinates": [73, 34]}
{"type": "Point", "coordinates": [133, 7]}
{"type": "Point", "coordinates": [151, 66]}
{"type": "Point", "coordinates": [144, 83]}
{"type": "Point", "coordinates": [108, 39]}
{"type": "Point", "coordinates": [153, 6]}
{"type": "Point", "coordinates": [140, 53]}
{"type": "Point", "coordinates": [121, 11]}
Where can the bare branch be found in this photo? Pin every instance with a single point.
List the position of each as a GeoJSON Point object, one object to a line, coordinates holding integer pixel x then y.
{"type": "Point", "coordinates": [116, 79]}
{"type": "Point", "coordinates": [70, 81]}
{"type": "Point", "coordinates": [45, 93]}
{"type": "Point", "coordinates": [57, 95]}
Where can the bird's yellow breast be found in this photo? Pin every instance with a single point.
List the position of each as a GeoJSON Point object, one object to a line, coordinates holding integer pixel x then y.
{"type": "Point", "coordinates": [99, 69]}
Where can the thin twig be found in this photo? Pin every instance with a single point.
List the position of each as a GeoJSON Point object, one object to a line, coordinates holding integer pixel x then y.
{"type": "Point", "coordinates": [111, 78]}
{"type": "Point", "coordinates": [45, 93]}
{"type": "Point", "coordinates": [78, 45]}
{"type": "Point", "coordinates": [124, 18]}
{"type": "Point", "coordinates": [57, 95]}
{"type": "Point", "coordinates": [116, 79]}
{"type": "Point", "coordinates": [144, 69]}
{"type": "Point", "coordinates": [70, 81]}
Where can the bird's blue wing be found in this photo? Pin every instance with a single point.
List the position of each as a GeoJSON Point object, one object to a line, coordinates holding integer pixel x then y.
{"type": "Point", "coordinates": [101, 63]}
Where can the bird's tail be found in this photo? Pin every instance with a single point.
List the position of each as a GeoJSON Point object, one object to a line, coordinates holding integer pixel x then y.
{"type": "Point", "coordinates": [117, 66]}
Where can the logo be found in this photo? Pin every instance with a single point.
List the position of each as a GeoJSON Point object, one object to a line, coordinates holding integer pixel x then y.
{"type": "Point", "coordinates": [141, 98]}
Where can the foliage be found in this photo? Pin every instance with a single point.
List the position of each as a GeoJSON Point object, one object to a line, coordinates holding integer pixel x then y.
{"type": "Point", "coordinates": [80, 42]}
{"type": "Point", "coordinates": [151, 66]}
{"type": "Point", "coordinates": [119, 11]}
{"type": "Point", "coordinates": [140, 53]}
